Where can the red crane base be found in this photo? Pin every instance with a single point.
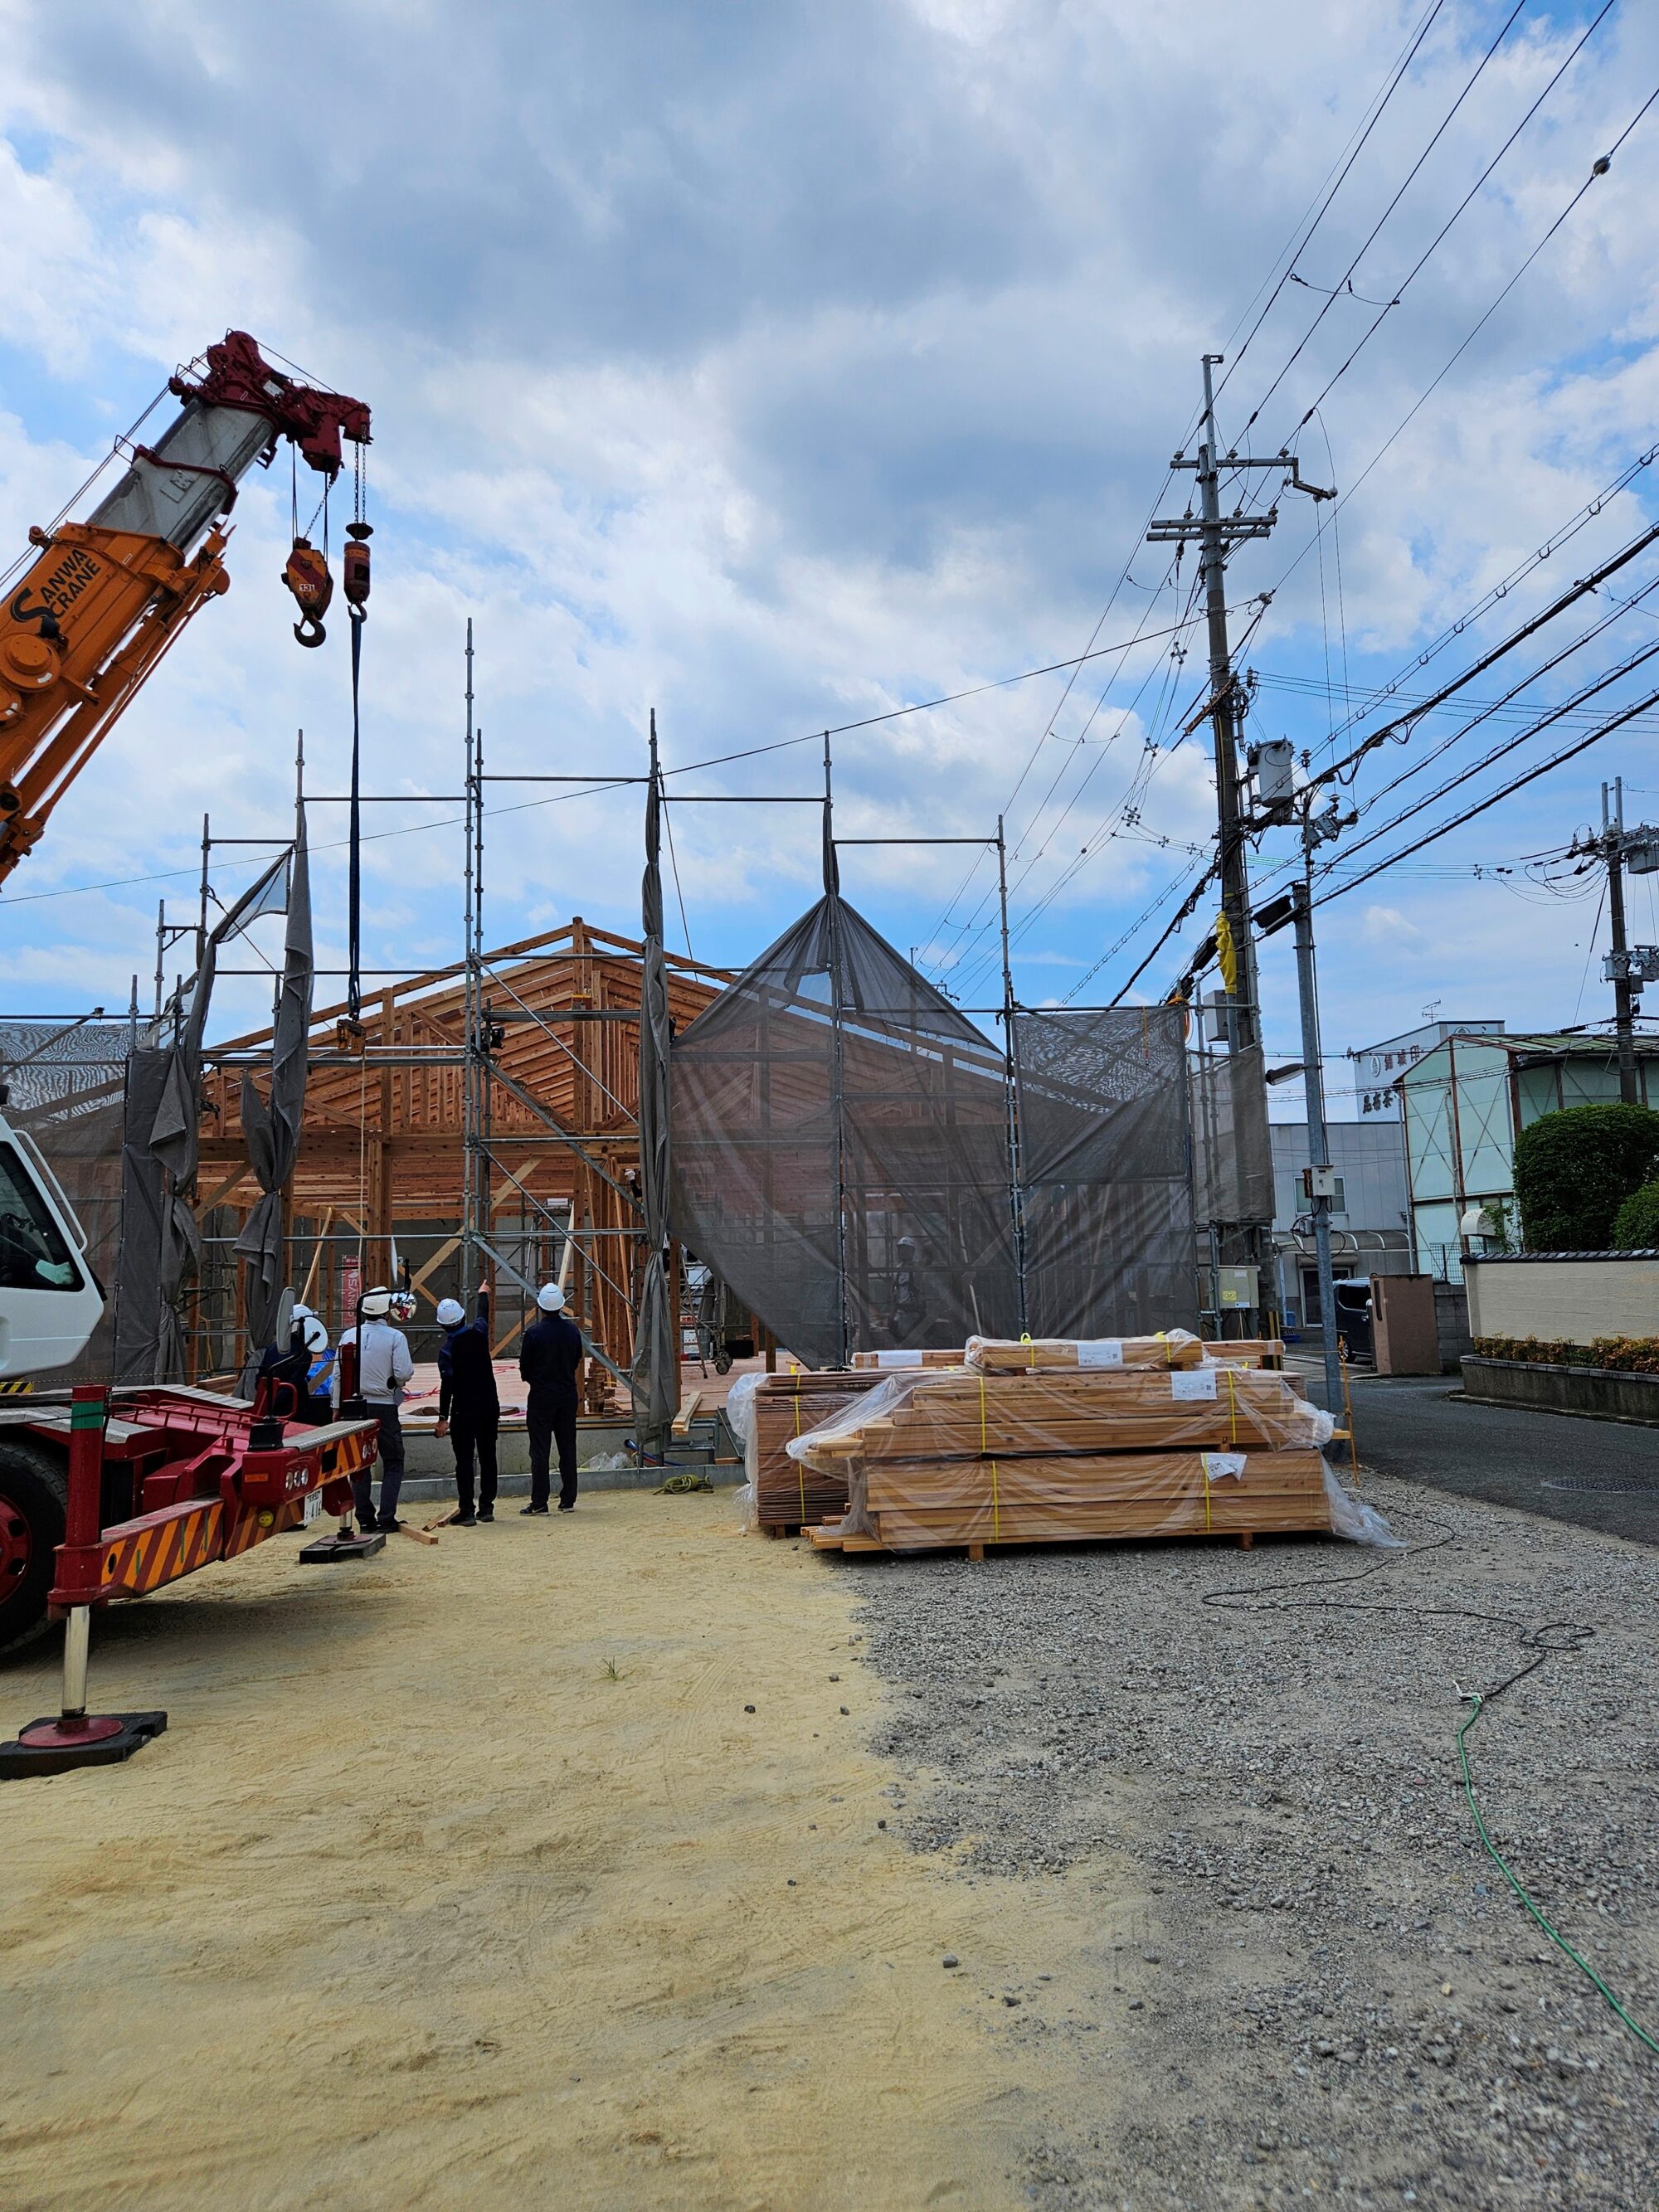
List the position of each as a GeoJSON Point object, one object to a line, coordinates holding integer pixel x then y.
{"type": "Point", "coordinates": [53, 1747]}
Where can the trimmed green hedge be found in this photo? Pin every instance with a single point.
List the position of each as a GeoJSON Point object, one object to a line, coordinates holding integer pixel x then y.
{"type": "Point", "coordinates": [1636, 1225]}
{"type": "Point", "coordinates": [1630, 1355]}
{"type": "Point", "coordinates": [1574, 1169]}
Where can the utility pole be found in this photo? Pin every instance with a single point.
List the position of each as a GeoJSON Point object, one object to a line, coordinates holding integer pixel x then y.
{"type": "Point", "coordinates": [1320, 1180]}
{"type": "Point", "coordinates": [1628, 966]}
{"type": "Point", "coordinates": [1624, 1008]}
{"type": "Point", "coordinates": [1249, 1240]}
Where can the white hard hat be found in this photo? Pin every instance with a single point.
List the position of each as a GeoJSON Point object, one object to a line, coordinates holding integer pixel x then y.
{"type": "Point", "coordinates": [451, 1312]}
{"type": "Point", "coordinates": [377, 1303]}
{"type": "Point", "coordinates": [403, 1305]}
{"type": "Point", "coordinates": [310, 1327]}
{"type": "Point", "coordinates": [551, 1299]}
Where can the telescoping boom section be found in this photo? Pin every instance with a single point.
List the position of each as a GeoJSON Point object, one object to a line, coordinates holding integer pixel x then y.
{"type": "Point", "coordinates": [104, 599]}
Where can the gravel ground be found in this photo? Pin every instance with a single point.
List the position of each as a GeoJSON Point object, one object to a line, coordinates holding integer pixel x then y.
{"type": "Point", "coordinates": [1305, 1979]}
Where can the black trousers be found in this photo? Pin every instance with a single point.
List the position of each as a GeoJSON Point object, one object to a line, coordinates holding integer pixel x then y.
{"type": "Point", "coordinates": [392, 1470]}
{"type": "Point", "coordinates": [473, 1437]}
{"type": "Point", "coordinates": [551, 1421]}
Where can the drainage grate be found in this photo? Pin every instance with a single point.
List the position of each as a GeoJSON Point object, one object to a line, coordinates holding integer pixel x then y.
{"type": "Point", "coordinates": [1607, 1486]}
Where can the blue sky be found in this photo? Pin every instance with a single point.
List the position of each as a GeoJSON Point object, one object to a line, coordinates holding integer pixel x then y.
{"type": "Point", "coordinates": [779, 367]}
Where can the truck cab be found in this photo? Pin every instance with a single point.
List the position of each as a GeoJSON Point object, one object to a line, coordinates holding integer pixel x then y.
{"type": "Point", "coordinates": [50, 1300]}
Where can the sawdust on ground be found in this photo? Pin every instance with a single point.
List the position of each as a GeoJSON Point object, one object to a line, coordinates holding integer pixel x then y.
{"type": "Point", "coordinates": [464, 1877]}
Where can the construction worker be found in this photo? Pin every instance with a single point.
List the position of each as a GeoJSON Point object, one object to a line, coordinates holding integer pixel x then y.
{"type": "Point", "coordinates": [469, 1410]}
{"type": "Point", "coordinates": [384, 1366]}
{"type": "Point", "coordinates": [320, 1365]}
{"type": "Point", "coordinates": [909, 1307]}
{"type": "Point", "coordinates": [550, 1360]}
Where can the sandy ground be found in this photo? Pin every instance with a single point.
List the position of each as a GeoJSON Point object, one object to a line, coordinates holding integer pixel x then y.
{"type": "Point", "coordinates": [463, 1878]}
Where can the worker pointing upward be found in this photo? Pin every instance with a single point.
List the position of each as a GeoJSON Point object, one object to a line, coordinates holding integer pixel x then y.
{"type": "Point", "coordinates": [550, 1360]}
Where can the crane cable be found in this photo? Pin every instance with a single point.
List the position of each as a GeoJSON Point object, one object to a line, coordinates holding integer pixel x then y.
{"type": "Point", "coordinates": [354, 835]}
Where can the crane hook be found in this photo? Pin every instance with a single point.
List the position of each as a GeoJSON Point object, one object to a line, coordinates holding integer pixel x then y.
{"type": "Point", "coordinates": [306, 576]}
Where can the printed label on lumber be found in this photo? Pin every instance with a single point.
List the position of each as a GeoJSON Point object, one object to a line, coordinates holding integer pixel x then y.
{"type": "Point", "coordinates": [1218, 1465]}
{"type": "Point", "coordinates": [1100, 1352]}
{"type": "Point", "coordinates": [898, 1359]}
{"type": "Point", "coordinates": [1197, 1383]}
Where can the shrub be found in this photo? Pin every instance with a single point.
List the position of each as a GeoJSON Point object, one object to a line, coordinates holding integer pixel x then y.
{"type": "Point", "coordinates": [1636, 1225]}
{"type": "Point", "coordinates": [1635, 1355]}
{"type": "Point", "coordinates": [1574, 1169]}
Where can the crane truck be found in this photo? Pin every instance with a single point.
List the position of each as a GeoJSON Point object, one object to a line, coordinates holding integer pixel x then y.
{"type": "Point", "coordinates": [108, 1495]}
{"type": "Point", "coordinates": [85, 620]}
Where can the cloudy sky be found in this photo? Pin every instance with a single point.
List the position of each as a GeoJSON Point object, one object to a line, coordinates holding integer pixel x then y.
{"type": "Point", "coordinates": [781, 367]}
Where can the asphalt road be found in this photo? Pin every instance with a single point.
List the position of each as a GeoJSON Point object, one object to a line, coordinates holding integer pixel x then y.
{"type": "Point", "coordinates": [1597, 1474]}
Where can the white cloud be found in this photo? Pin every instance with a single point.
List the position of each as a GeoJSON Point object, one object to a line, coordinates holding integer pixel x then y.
{"type": "Point", "coordinates": [778, 370]}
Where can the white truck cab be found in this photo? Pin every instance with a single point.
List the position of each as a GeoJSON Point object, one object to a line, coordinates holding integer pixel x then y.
{"type": "Point", "coordinates": [50, 1300]}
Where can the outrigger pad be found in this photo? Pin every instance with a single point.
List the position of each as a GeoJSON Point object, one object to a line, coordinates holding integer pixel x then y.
{"type": "Point", "coordinates": [46, 1747]}
{"type": "Point", "coordinates": [327, 1550]}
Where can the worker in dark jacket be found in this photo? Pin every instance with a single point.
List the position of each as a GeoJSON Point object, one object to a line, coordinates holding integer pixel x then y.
{"type": "Point", "coordinates": [469, 1410]}
{"type": "Point", "coordinates": [550, 1360]}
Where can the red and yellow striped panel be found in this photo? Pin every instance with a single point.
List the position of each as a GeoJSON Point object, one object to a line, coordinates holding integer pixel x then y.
{"type": "Point", "coordinates": [161, 1550]}
{"type": "Point", "coordinates": [246, 1530]}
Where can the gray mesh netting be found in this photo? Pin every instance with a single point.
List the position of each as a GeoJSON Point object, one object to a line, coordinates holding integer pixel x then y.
{"type": "Point", "coordinates": [68, 1091]}
{"type": "Point", "coordinates": [842, 1156]}
{"type": "Point", "coordinates": [1233, 1151]}
{"type": "Point", "coordinates": [840, 1148]}
{"type": "Point", "coordinates": [1105, 1199]}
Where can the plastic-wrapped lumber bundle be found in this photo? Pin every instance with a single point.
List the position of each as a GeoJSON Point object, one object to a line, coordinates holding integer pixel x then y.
{"type": "Point", "coordinates": [1245, 1351]}
{"type": "Point", "coordinates": [896, 1359]}
{"type": "Point", "coordinates": [912, 1506]}
{"type": "Point", "coordinates": [789, 1493]}
{"type": "Point", "coordinates": [972, 1415]}
{"type": "Point", "coordinates": [1070, 1452]}
{"type": "Point", "coordinates": [1176, 1347]}
{"type": "Point", "coordinates": [924, 1505]}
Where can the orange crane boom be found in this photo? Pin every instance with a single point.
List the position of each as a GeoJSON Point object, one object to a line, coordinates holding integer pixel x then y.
{"type": "Point", "coordinates": [106, 597]}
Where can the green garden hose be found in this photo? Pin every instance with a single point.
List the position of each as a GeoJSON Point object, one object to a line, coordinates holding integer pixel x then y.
{"type": "Point", "coordinates": [1497, 1859]}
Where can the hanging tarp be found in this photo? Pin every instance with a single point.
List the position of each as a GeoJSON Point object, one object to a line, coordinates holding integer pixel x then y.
{"type": "Point", "coordinates": [1105, 1192]}
{"type": "Point", "coordinates": [1233, 1149]}
{"type": "Point", "coordinates": [840, 1148]}
{"type": "Point", "coordinates": [272, 1130]}
{"type": "Point", "coordinates": [654, 1377]}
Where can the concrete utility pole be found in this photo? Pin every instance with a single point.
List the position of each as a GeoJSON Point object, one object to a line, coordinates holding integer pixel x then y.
{"type": "Point", "coordinates": [1250, 1241]}
{"type": "Point", "coordinates": [1628, 966]}
{"type": "Point", "coordinates": [1624, 1005]}
{"type": "Point", "coordinates": [1321, 1176]}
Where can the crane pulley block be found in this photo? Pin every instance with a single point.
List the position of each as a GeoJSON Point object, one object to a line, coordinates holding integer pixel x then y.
{"type": "Point", "coordinates": [307, 575]}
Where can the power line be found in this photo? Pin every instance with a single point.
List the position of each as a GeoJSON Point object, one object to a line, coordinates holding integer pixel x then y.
{"type": "Point", "coordinates": [1599, 168]}
{"type": "Point", "coordinates": [1440, 129]}
{"type": "Point", "coordinates": [1359, 147]}
{"type": "Point", "coordinates": [1416, 269]}
{"type": "Point", "coordinates": [1518, 783]}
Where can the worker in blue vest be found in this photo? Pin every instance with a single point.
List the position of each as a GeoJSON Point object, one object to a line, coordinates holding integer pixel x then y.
{"type": "Point", "coordinates": [469, 1407]}
{"type": "Point", "coordinates": [550, 1357]}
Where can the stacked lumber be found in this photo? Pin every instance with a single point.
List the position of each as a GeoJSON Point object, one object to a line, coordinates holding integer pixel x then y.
{"type": "Point", "coordinates": [1063, 1453]}
{"type": "Point", "coordinates": [789, 1492]}
{"type": "Point", "coordinates": [967, 1415]}
{"type": "Point", "coordinates": [1068, 1501]}
{"type": "Point", "coordinates": [899, 1358]}
{"type": "Point", "coordinates": [997, 1355]}
{"type": "Point", "coordinates": [1246, 1352]}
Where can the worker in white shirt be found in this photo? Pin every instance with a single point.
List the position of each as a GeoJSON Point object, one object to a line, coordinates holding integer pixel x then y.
{"type": "Point", "coordinates": [384, 1367]}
